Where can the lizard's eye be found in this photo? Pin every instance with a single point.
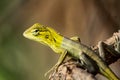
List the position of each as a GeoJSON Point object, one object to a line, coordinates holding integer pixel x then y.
{"type": "Point", "coordinates": [35, 32]}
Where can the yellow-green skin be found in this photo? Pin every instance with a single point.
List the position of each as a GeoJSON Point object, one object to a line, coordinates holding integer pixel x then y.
{"type": "Point", "coordinates": [44, 35]}
{"type": "Point", "coordinates": [58, 43]}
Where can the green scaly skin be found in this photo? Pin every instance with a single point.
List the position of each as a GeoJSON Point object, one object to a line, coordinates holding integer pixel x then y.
{"type": "Point", "coordinates": [58, 43]}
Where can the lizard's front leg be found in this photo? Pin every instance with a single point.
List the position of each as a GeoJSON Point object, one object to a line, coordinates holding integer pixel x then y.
{"type": "Point", "coordinates": [62, 57]}
{"type": "Point", "coordinates": [60, 60]}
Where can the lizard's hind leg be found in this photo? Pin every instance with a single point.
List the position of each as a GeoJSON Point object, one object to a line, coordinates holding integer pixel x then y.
{"type": "Point", "coordinates": [101, 50]}
{"type": "Point", "coordinates": [102, 47]}
{"type": "Point", "coordinates": [117, 44]}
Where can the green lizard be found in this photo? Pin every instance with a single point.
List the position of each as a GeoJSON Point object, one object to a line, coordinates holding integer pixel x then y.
{"type": "Point", "coordinates": [62, 45]}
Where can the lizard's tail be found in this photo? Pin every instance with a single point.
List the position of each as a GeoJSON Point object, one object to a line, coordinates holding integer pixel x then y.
{"type": "Point", "coordinates": [109, 74]}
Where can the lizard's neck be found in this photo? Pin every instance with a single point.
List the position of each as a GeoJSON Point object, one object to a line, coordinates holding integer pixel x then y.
{"type": "Point", "coordinates": [56, 43]}
{"type": "Point", "coordinates": [71, 46]}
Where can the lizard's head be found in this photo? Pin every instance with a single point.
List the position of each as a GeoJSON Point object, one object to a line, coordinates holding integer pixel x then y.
{"type": "Point", "coordinates": [44, 35]}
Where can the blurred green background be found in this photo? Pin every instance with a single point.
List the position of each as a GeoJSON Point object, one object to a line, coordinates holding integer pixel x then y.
{"type": "Point", "coordinates": [23, 59]}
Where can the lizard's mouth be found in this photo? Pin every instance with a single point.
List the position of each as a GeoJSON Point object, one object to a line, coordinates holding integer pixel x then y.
{"type": "Point", "coordinates": [28, 35]}
{"type": "Point", "coordinates": [25, 34]}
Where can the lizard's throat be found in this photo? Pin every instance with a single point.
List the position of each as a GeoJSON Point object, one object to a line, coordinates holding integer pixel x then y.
{"type": "Point", "coordinates": [58, 39]}
{"type": "Point", "coordinates": [56, 43]}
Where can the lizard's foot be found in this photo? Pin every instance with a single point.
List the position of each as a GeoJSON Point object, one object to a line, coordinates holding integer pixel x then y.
{"type": "Point", "coordinates": [75, 38]}
{"type": "Point", "coordinates": [54, 68]}
{"type": "Point", "coordinates": [117, 44]}
{"type": "Point", "coordinates": [60, 60]}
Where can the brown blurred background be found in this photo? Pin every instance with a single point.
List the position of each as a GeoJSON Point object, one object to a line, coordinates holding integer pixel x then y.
{"type": "Point", "coordinates": [23, 59]}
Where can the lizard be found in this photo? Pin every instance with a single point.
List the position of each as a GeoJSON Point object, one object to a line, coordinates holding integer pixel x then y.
{"type": "Point", "coordinates": [63, 45]}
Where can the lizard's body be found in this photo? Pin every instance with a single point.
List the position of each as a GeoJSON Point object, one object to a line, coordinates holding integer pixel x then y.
{"type": "Point", "coordinates": [77, 49]}
{"type": "Point", "coordinates": [58, 43]}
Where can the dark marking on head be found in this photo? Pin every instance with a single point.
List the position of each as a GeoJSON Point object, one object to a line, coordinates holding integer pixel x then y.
{"type": "Point", "coordinates": [46, 36]}
{"type": "Point", "coordinates": [54, 40]}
